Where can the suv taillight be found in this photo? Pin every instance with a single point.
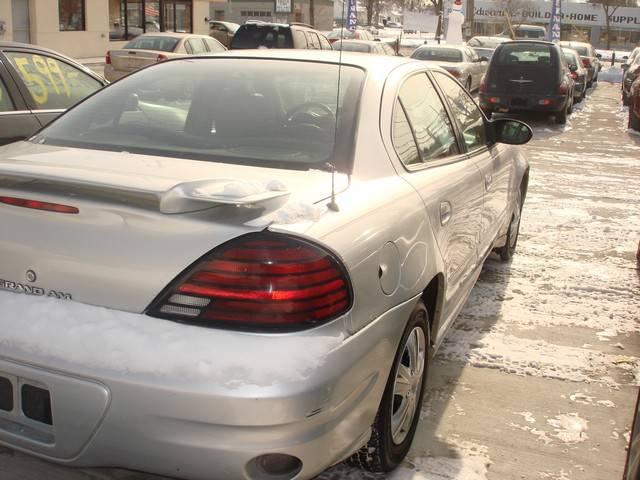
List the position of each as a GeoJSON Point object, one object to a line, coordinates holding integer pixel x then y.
{"type": "Point", "coordinates": [483, 85]}
{"type": "Point", "coordinates": [563, 89]}
{"type": "Point", "coordinates": [586, 63]}
{"type": "Point", "coordinates": [260, 280]}
{"type": "Point", "coordinates": [107, 58]}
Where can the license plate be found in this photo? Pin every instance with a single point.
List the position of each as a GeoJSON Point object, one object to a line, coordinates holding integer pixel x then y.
{"type": "Point", "coordinates": [519, 102]}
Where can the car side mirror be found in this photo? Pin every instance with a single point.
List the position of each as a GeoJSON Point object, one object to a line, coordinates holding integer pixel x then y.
{"type": "Point", "coordinates": [626, 57]}
{"type": "Point", "coordinates": [511, 132]}
{"type": "Point", "coordinates": [598, 55]}
{"type": "Point", "coordinates": [573, 68]}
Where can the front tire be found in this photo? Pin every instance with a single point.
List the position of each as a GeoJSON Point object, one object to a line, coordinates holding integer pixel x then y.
{"type": "Point", "coordinates": [634, 120]}
{"type": "Point", "coordinates": [397, 418]}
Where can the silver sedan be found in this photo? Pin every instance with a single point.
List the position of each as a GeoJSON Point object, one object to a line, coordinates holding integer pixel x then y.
{"type": "Point", "coordinates": [462, 62]}
{"type": "Point", "coordinates": [212, 270]}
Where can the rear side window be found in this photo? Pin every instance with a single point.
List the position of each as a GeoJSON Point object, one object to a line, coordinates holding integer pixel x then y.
{"type": "Point", "coordinates": [524, 54]}
{"type": "Point", "coordinates": [214, 46]}
{"type": "Point", "coordinates": [195, 46]}
{"type": "Point", "coordinates": [6, 104]}
{"type": "Point", "coordinates": [429, 121]}
{"type": "Point", "coordinates": [314, 42]}
{"type": "Point", "coordinates": [262, 36]}
{"type": "Point", "coordinates": [163, 44]}
{"type": "Point", "coordinates": [53, 84]}
{"type": "Point", "coordinates": [324, 43]}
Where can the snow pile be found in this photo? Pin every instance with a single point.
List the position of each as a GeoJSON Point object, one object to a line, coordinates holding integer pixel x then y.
{"type": "Point", "coordinates": [290, 214]}
{"type": "Point", "coordinates": [538, 358]}
{"type": "Point", "coordinates": [85, 338]}
{"type": "Point", "coordinates": [611, 74]}
{"type": "Point", "coordinates": [238, 188]}
{"type": "Point", "coordinates": [569, 428]}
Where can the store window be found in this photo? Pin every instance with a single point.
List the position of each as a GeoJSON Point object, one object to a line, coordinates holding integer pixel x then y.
{"type": "Point", "coordinates": [71, 14]}
{"type": "Point", "coordinates": [130, 18]}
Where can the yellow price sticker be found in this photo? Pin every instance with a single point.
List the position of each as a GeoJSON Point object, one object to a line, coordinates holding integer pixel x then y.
{"type": "Point", "coordinates": [42, 77]}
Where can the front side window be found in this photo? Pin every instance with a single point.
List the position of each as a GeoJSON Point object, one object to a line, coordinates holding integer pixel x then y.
{"type": "Point", "coordinates": [71, 15]}
{"type": "Point", "coordinates": [280, 114]}
{"type": "Point", "coordinates": [6, 105]}
{"type": "Point", "coordinates": [465, 111]}
{"type": "Point", "coordinates": [52, 84]}
{"type": "Point", "coordinates": [428, 118]}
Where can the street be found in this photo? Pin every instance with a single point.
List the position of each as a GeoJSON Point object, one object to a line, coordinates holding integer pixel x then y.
{"type": "Point", "coordinates": [539, 376]}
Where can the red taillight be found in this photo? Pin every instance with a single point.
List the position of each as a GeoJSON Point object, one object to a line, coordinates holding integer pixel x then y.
{"type": "Point", "coordinates": [261, 280]}
{"type": "Point", "coordinates": [38, 205]}
{"type": "Point", "coordinates": [455, 72]}
{"type": "Point", "coordinates": [586, 62]}
{"type": "Point", "coordinates": [574, 75]}
{"type": "Point", "coordinates": [107, 58]}
{"type": "Point", "coordinates": [483, 85]}
{"type": "Point", "coordinates": [161, 58]}
{"type": "Point", "coordinates": [563, 89]}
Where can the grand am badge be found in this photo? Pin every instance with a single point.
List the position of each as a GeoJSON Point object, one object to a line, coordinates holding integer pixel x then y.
{"type": "Point", "coordinates": [32, 290]}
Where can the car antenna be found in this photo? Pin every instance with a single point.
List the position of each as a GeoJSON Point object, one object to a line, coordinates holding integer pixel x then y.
{"type": "Point", "coordinates": [332, 205]}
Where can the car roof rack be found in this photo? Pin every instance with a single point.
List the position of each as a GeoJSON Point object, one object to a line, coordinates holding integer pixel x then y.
{"type": "Point", "coordinates": [300, 24]}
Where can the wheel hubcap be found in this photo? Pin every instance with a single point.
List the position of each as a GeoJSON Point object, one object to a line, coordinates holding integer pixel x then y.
{"type": "Point", "coordinates": [408, 385]}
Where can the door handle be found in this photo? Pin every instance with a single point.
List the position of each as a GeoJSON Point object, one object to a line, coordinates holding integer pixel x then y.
{"type": "Point", "coordinates": [488, 181]}
{"type": "Point", "coordinates": [445, 213]}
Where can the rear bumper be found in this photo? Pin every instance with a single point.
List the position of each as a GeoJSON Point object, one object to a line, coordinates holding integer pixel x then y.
{"type": "Point", "coordinates": [493, 102]}
{"type": "Point", "coordinates": [179, 413]}
{"type": "Point", "coordinates": [111, 74]}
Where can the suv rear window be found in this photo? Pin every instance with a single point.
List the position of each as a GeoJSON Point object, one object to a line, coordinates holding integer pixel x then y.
{"type": "Point", "coordinates": [262, 36]}
{"type": "Point", "coordinates": [523, 54]}
{"type": "Point", "coordinates": [438, 54]}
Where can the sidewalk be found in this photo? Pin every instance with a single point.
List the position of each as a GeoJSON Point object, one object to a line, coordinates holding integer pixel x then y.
{"type": "Point", "coordinates": [89, 62]}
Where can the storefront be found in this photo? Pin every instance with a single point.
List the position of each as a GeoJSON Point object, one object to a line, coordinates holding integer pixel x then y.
{"type": "Point", "coordinates": [580, 21]}
{"type": "Point", "coordinates": [88, 28]}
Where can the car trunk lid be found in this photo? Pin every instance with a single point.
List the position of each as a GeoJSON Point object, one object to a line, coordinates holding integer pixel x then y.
{"type": "Point", "coordinates": [141, 219]}
{"type": "Point", "coordinates": [130, 60]}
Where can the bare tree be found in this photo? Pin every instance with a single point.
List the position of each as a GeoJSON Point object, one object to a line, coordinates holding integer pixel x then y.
{"type": "Point", "coordinates": [610, 7]}
{"type": "Point", "coordinates": [514, 12]}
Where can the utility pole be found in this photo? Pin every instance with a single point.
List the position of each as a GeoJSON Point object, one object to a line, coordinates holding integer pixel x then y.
{"type": "Point", "coordinates": [469, 14]}
{"type": "Point", "coordinates": [312, 13]}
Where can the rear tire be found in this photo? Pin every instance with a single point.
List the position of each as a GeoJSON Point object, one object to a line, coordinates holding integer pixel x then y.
{"type": "Point", "coordinates": [625, 99]}
{"type": "Point", "coordinates": [394, 428]}
{"type": "Point", "coordinates": [561, 117]}
{"type": "Point", "coordinates": [570, 107]}
{"type": "Point", "coordinates": [506, 253]}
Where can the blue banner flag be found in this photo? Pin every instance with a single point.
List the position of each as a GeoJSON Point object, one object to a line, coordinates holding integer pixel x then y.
{"type": "Point", "coordinates": [352, 14]}
{"type": "Point", "coordinates": [555, 24]}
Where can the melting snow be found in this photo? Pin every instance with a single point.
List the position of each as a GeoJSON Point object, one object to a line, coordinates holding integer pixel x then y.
{"type": "Point", "coordinates": [611, 74]}
{"type": "Point", "coordinates": [87, 337]}
{"type": "Point", "coordinates": [569, 428]}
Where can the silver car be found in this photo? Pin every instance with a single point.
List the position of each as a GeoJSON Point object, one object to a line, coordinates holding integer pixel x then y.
{"type": "Point", "coordinates": [211, 270]}
{"type": "Point", "coordinates": [460, 61]}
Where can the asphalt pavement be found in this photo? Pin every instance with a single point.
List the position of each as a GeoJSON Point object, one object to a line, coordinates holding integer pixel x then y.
{"type": "Point", "coordinates": [539, 376]}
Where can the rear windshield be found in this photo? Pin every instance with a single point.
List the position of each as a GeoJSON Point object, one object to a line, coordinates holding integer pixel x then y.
{"type": "Point", "coordinates": [570, 58]}
{"type": "Point", "coordinates": [352, 47]}
{"type": "Point", "coordinates": [262, 36]}
{"type": "Point", "coordinates": [523, 54]}
{"type": "Point", "coordinates": [438, 54]}
{"type": "Point", "coordinates": [530, 33]}
{"type": "Point", "coordinates": [581, 50]}
{"type": "Point", "coordinates": [273, 113]}
{"type": "Point", "coordinates": [164, 44]}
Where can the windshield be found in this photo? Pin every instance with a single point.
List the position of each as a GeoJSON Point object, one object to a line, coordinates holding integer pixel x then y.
{"type": "Point", "coordinates": [164, 44]}
{"type": "Point", "coordinates": [272, 113]}
{"type": "Point", "coordinates": [262, 36]}
{"type": "Point", "coordinates": [438, 54]}
{"type": "Point", "coordinates": [524, 54]}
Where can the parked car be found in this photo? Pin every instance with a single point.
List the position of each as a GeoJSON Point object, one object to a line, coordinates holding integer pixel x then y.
{"type": "Point", "coordinates": [346, 34]}
{"type": "Point", "coordinates": [150, 48]}
{"type": "Point", "coordinates": [578, 73]}
{"type": "Point", "coordinates": [485, 46]}
{"type": "Point", "coordinates": [590, 59]}
{"type": "Point", "coordinates": [364, 46]}
{"type": "Point", "coordinates": [242, 273]}
{"type": "Point", "coordinates": [37, 85]}
{"type": "Point", "coordinates": [533, 32]}
{"type": "Point", "coordinates": [223, 31]}
{"type": "Point", "coordinates": [528, 75]}
{"type": "Point", "coordinates": [276, 35]}
{"type": "Point", "coordinates": [634, 104]}
{"type": "Point", "coordinates": [460, 61]}
{"type": "Point", "coordinates": [631, 71]}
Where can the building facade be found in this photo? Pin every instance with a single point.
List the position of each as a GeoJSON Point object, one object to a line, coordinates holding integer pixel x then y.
{"type": "Point", "coordinates": [239, 11]}
{"type": "Point", "coordinates": [88, 28]}
{"type": "Point", "coordinates": [580, 21]}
